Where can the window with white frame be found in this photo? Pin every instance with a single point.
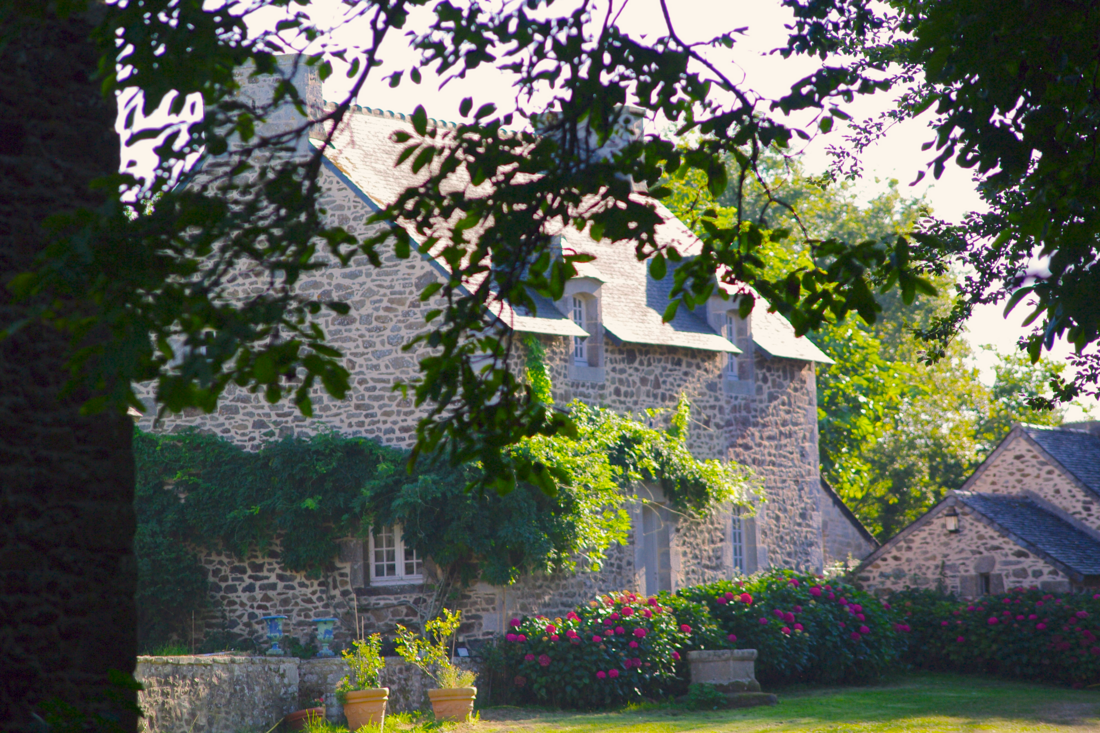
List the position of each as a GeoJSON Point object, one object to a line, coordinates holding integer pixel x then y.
{"type": "Point", "coordinates": [737, 540]}
{"type": "Point", "coordinates": [580, 343]}
{"type": "Point", "coordinates": [390, 560]}
{"type": "Point", "coordinates": [736, 330]}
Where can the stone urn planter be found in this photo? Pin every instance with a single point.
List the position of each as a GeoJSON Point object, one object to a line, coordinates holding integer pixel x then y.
{"type": "Point", "coordinates": [366, 707]}
{"type": "Point", "coordinates": [299, 718]}
{"type": "Point", "coordinates": [730, 670]}
{"type": "Point", "coordinates": [453, 703]}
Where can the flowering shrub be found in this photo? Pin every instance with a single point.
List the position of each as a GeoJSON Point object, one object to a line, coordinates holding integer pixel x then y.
{"type": "Point", "coordinates": [1029, 633]}
{"type": "Point", "coordinates": [804, 628]}
{"type": "Point", "coordinates": [609, 651]}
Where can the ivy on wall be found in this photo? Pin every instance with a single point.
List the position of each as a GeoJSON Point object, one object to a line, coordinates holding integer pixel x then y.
{"type": "Point", "coordinates": [197, 491]}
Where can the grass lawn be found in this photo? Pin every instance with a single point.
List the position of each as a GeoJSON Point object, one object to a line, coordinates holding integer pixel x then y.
{"type": "Point", "coordinates": [918, 703]}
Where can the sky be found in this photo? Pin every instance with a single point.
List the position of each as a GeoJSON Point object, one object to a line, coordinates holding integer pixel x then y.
{"type": "Point", "coordinates": [897, 156]}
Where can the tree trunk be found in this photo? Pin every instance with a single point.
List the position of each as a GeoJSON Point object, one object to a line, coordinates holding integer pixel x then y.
{"type": "Point", "coordinates": [67, 571]}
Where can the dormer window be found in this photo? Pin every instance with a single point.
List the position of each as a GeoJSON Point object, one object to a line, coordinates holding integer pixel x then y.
{"type": "Point", "coordinates": [736, 331]}
{"type": "Point", "coordinates": [580, 343]}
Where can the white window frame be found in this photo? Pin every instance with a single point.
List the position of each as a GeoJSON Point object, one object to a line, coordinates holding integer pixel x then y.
{"type": "Point", "coordinates": [737, 541]}
{"type": "Point", "coordinates": [580, 343]}
{"type": "Point", "coordinates": [736, 330]}
{"type": "Point", "coordinates": [402, 557]}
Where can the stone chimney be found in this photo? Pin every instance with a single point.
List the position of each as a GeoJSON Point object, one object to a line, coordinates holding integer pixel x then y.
{"type": "Point", "coordinates": [259, 90]}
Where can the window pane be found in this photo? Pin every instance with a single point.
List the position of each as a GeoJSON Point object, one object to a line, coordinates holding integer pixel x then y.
{"type": "Point", "coordinates": [413, 565]}
{"type": "Point", "coordinates": [737, 537]}
{"type": "Point", "coordinates": [385, 553]}
{"type": "Point", "coordinates": [579, 342]}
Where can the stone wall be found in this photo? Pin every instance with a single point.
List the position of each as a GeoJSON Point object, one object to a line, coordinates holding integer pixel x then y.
{"type": "Point", "coordinates": [67, 571]}
{"type": "Point", "coordinates": [842, 539]}
{"type": "Point", "coordinates": [1017, 467]}
{"type": "Point", "coordinates": [250, 694]}
{"type": "Point", "coordinates": [219, 694]}
{"type": "Point", "coordinates": [928, 556]}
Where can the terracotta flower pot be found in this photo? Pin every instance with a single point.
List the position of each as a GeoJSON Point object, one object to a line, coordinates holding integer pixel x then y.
{"type": "Point", "coordinates": [297, 720]}
{"type": "Point", "coordinates": [453, 703]}
{"type": "Point", "coordinates": [366, 707]}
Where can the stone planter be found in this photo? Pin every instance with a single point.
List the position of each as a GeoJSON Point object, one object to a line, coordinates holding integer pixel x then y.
{"type": "Point", "coordinates": [730, 670]}
{"type": "Point", "coordinates": [453, 703]}
{"type": "Point", "coordinates": [366, 707]}
{"type": "Point", "coordinates": [298, 719]}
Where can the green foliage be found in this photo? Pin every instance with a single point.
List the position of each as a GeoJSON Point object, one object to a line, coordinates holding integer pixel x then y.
{"type": "Point", "coordinates": [365, 662]}
{"type": "Point", "coordinates": [542, 389]}
{"type": "Point", "coordinates": [432, 652]}
{"type": "Point", "coordinates": [805, 630]}
{"type": "Point", "coordinates": [1026, 634]}
{"type": "Point", "coordinates": [702, 696]}
{"type": "Point", "coordinates": [616, 648]}
{"type": "Point", "coordinates": [171, 584]}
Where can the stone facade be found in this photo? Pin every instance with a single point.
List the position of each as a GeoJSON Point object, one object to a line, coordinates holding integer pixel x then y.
{"type": "Point", "coordinates": [931, 557]}
{"type": "Point", "coordinates": [845, 540]}
{"type": "Point", "coordinates": [1026, 517]}
{"type": "Point", "coordinates": [771, 426]}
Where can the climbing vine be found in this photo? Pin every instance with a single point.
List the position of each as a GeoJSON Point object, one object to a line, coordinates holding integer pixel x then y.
{"type": "Point", "coordinates": [537, 375]}
{"type": "Point", "coordinates": [199, 491]}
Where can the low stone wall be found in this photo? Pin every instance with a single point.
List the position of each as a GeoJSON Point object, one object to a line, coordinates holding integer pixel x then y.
{"type": "Point", "coordinates": [216, 694]}
{"type": "Point", "coordinates": [239, 694]}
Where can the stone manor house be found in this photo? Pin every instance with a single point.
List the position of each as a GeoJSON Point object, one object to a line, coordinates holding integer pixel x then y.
{"type": "Point", "coordinates": [1030, 515]}
{"type": "Point", "coordinates": [751, 383]}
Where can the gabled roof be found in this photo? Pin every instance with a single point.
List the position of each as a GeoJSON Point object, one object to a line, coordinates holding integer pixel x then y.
{"type": "Point", "coordinates": [839, 504]}
{"type": "Point", "coordinates": [1023, 519]}
{"type": "Point", "coordinates": [1076, 450]}
{"type": "Point", "coordinates": [632, 303]}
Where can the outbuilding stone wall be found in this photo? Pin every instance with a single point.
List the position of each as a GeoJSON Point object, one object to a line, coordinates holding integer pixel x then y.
{"type": "Point", "coordinates": [929, 557]}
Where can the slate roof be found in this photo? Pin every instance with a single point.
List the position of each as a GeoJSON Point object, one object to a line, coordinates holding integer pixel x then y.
{"type": "Point", "coordinates": [632, 303]}
{"type": "Point", "coordinates": [1078, 451]}
{"type": "Point", "coordinates": [1039, 528]}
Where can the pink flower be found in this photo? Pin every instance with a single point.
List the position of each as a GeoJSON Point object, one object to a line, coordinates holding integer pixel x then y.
{"type": "Point", "coordinates": [864, 630]}
{"type": "Point", "coordinates": [676, 656]}
{"type": "Point", "coordinates": [636, 662]}
{"type": "Point", "coordinates": [554, 637]}
{"type": "Point", "coordinates": [732, 637]}
{"type": "Point", "coordinates": [1082, 614]}
{"type": "Point", "coordinates": [960, 640]}
{"type": "Point", "coordinates": [521, 638]}
{"type": "Point", "coordinates": [620, 630]}
{"type": "Point", "coordinates": [794, 582]}
{"type": "Point", "coordinates": [746, 598]}
{"type": "Point", "coordinates": [685, 628]}
{"type": "Point", "coordinates": [514, 622]}
{"type": "Point", "coordinates": [601, 675]}
{"type": "Point", "coordinates": [613, 673]}
{"type": "Point", "coordinates": [529, 658]}
{"type": "Point", "coordinates": [887, 606]}
{"type": "Point", "coordinates": [627, 611]}
{"type": "Point", "coordinates": [855, 636]}
{"type": "Point", "coordinates": [778, 613]}
{"type": "Point", "coordinates": [721, 600]}
{"type": "Point", "coordinates": [596, 639]}
{"type": "Point", "coordinates": [1041, 626]}
{"type": "Point", "coordinates": [1020, 617]}
{"type": "Point", "coordinates": [729, 596]}
{"type": "Point", "coordinates": [788, 617]}
{"type": "Point", "coordinates": [969, 608]}
{"type": "Point", "coordinates": [842, 625]}
{"type": "Point", "coordinates": [785, 630]}
{"type": "Point", "coordinates": [571, 633]}
{"type": "Point", "coordinates": [992, 620]}
{"type": "Point", "coordinates": [652, 600]}
{"type": "Point", "coordinates": [510, 637]}
{"type": "Point", "coordinates": [615, 616]}
{"type": "Point", "coordinates": [640, 633]}
{"type": "Point", "coordinates": [858, 608]}
{"type": "Point", "coordinates": [572, 616]}
{"type": "Point", "coordinates": [798, 627]}
{"type": "Point", "coordinates": [633, 645]}
{"type": "Point", "coordinates": [815, 591]}
{"type": "Point", "coordinates": [860, 617]}
{"type": "Point", "coordinates": [1032, 617]}
{"type": "Point", "coordinates": [763, 620]}
{"type": "Point", "coordinates": [798, 609]}
{"type": "Point", "coordinates": [843, 601]}
{"type": "Point", "coordinates": [608, 622]}
{"type": "Point", "coordinates": [544, 660]}
{"type": "Point", "coordinates": [647, 613]}
{"type": "Point", "coordinates": [943, 623]}
{"type": "Point", "coordinates": [550, 628]}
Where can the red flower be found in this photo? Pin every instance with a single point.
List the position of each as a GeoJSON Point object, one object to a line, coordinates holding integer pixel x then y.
{"type": "Point", "coordinates": [596, 639]}
{"type": "Point", "coordinates": [514, 622]}
{"type": "Point", "coordinates": [864, 630]}
{"type": "Point", "coordinates": [529, 658]}
{"type": "Point", "coordinates": [633, 645]}
{"type": "Point", "coordinates": [721, 600]}
{"type": "Point", "coordinates": [620, 630]}
{"type": "Point", "coordinates": [627, 611]}
{"type": "Point", "coordinates": [685, 628]}
{"type": "Point", "coordinates": [544, 660]}
{"type": "Point", "coordinates": [798, 627]}
{"type": "Point", "coordinates": [676, 656]}
{"type": "Point", "coordinates": [554, 637]}
{"type": "Point", "coordinates": [571, 634]}
{"type": "Point", "coordinates": [615, 616]}
{"type": "Point", "coordinates": [785, 630]}
{"type": "Point", "coordinates": [855, 636]}
{"type": "Point", "coordinates": [613, 673]}
{"type": "Point", "coordinates": [733, 637]}
{"type": "Point", "coordinates": [1041, 626]}
{"type": "Point", "coordinates": [640, 633]}
{"type": "Point", "coordinates": [763, 620]}
{"type": "Point", "coordinates": [652, 600]}
{"type": "Point", "coordinates": [729, 596]}
{"type": "Point", "coordinates": [521, 638]}
{"type": "Point", "coordinates": [647, 613]}
{"type": "Point", "coordinates": [992, 620]}
{"type": "Point", "coordinates": [601, 675]}
{"type": "Point", "coordinates": [572, 616]}
{"type": "Point", "coordinates": [788, 617]}
{"type": "Point", "coordinates": [636, 662]}
{"type": "Point", "coordinates": [794, 582]}
{"type": "Point", "coordinates": [510, 637]}
{"type": "Point", "coordinates": [1082, 614]}
{"type": "Point", "coordinates": [815, 591]}
{"type": "Point", "coordinates": [778, 613]}
{"type": "Point", "coordinates": [798, 609]}
{"type": "Point", "coordinates": [746, 598]}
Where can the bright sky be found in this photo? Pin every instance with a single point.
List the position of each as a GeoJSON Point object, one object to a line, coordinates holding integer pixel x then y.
{"type": "Point", "coordinates": [897, 156]}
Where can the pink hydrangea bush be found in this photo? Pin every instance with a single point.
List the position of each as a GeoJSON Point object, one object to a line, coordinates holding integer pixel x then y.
{"type": "Point", "coordinates": [805, 628]}
{"type": "Point", "coordinates": [616, 648]}
{"type": "Point", "coordinates": [1026, 633]}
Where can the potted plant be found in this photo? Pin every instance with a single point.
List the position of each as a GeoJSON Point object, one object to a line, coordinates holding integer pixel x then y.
{"type": "Point", "coordinates": [363, 700]}
{"type": "Point", "coordinates": [300, 719]}
{"type": "Point", "coordinates": [432, 653]}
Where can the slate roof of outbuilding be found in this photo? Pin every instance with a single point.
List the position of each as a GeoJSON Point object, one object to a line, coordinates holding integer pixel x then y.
{"type": "Point", "coordinates": [1034, 525]}
{"type": "Point", "coordinates": [632, 303]}
{"type": "Point", "coordinates": [1078, 451]}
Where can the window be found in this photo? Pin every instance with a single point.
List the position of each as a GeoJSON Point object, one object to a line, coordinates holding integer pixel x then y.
{"type": "Point", "coordinates": [392, 562]}
{"type": "Point", "coordinates": [656, 549]}
{"type": "Point", "coordinates": [737, 540]}
{"type": "Point", "coordinates": [580, 343]}
{"type": "Point", "coordinates": [984, 584]}
{"type": "Point", "coordinates": [736, 331]}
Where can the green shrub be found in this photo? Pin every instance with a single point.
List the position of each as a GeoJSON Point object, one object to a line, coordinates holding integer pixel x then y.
{"type": "Point", "coordinates": [702, 696]}
{"type": "Point", "coordinates": [1028, 634]}
{"type": "Point", "coordinates": [615, 649]}
{"type": "Point", "coordinates": [803, 628]}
